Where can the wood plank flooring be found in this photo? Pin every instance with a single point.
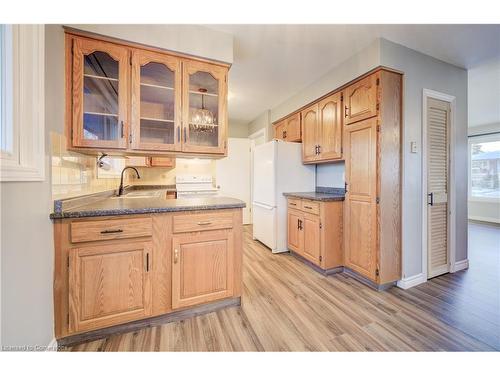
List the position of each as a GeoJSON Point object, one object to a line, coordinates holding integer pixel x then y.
{"type": "Point", "coordinates": [286, 306]}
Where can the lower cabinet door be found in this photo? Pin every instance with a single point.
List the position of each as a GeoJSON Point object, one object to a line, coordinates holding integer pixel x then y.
{"type": "Point", "coordinates": [109, 285]}
{"type": "Point", "coordinates": [311, 238]}
{"type": "Point", "coordinates": [295, 233]}
{"type": "Point", "coordinates": [202, 267]}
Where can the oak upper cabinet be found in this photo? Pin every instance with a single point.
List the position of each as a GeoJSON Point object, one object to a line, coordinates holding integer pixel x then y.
{"type": "Point", "coordinates": [99, 95]}
{"type": "Point", "coordinates": [310, 134]}
{"type": "Point", "coordinates": [156, 101]}
{"type": "Point", "coordinates": [372, 148]}
{"type": "Point", "coordinates": [293, 131]}
{"type": "Point", "coordinates": [330, 128]}
{"type": "Point", "coordinates": [205, 108]}
{"type": "Point", "coordinates": [109, 284]}
{"type": "Point", "coordinates": [360, 100]}
{"type": "Point", "coordinates": [280, 130]}
{"type": "Point", "coordinates": [202, 268]}
{"type": "Point", "coordinates": [135, 100]}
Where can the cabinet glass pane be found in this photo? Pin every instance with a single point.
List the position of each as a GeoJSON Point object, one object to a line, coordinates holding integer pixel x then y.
{"type": "Point", "coordinates": [100, 97]}
{"type": "Point", "coordinates": [157, 104]}
{"type": "Point", "coordinates": [203, 109]}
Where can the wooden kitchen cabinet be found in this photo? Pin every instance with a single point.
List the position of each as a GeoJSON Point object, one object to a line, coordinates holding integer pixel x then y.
{"type": "Point", "coordinates": [202, 268]}
{"type": "Point", "coordinates": [360, 100]}
{"type": "Point", "coordinates": [322, 131]}
{"type": "Point", "coordinates": [310, 134]}
{"type": "Point", "coordinates": [109, 284]}
{"type": "Point", "coordinates": [156, 101]}
{"type": "Point", "coordinates": [372, 147]}
{"type": "Point", "coordinates": [205, 108]}
{"type": "Point", "coordinates": [128, 99]}
{"type": "Point", "coordinates": [99, 95]}
{"type": "Point", "coordinates": [315, 232]}
{"type": "Point", "coordinates": [120, 269]}
{"type": "Point", "coordinates": [288, 129]}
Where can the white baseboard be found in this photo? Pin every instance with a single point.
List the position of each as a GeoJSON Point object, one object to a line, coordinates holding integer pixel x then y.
{"type": "Point", "coordinates": [52, 347]}
{"type": "Point", "coordinates": [411, 281]}
{"type": "Point", "coordinates": [460, 265]}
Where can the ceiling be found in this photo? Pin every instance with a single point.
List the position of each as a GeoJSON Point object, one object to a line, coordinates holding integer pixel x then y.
{"type": "Point", "coordinates": [273, 62]}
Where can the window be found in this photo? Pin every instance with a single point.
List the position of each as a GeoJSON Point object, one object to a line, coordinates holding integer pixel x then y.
{"type": "Point", "coordinates": [484, 159]}
{"type": "Point", "coordinates": [22, 103]}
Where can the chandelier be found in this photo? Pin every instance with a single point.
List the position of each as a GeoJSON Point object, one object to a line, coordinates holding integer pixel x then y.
{"type": "Point", "coordinates": [202, 119]}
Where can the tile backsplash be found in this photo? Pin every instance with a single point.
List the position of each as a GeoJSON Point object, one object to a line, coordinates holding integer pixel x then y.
{"type": "Point", "coordinates": [75, 174]}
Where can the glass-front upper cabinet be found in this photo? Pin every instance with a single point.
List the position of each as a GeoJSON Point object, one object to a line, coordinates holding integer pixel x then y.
{"type": "Point", "coordinates": [204, 113]}
{"type": "Point", "coordinates": [100, 94]}
{"type": "Point", "coordinates": [156, 101]}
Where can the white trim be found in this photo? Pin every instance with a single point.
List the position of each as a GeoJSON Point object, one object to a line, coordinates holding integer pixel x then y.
{"type": "Point", "coordinates": [426, 94]}
{"type": "Point", "coordinates": [26, 162]}
{"type": "Point", "coordinates": [460, 265]}
{"type": "Point", "coordinates": [485, 219]}
{"type": "Point", "coordinates": [412, 281]}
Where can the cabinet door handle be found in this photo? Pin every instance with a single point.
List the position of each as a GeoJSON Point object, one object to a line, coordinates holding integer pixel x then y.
{"type": "Point", "coordinates": [308, 207]}
{"type": "Point", "coordinates": [431, 201]}
{"type": "Point", "coordinates": [147, 262]}
{"type": "Point", "coordinates": [293, 204]}
{"type": "Point", "coordinates": [346, 111]}
{"type": "Point", "coordinates": [345, 187]}
{"type": "Point", "coordinates": [123, 132]}
{"type": "Point", "coordinates": [185, 135]}
{"type": "Point", "coordinates": [204, 222]}
{"type": "Point", "coordinates": [178, 134]}
{"type": "Point", "coordinates": [316, 150]}
{"type": "Point", "coordinates": [300, 224]}
{"type": "Point", "coordinates": [111, 231]}
{"type": "Point", "coordinates": [319, 149]}
{"type": "Point", "coordinates": [176, 255]}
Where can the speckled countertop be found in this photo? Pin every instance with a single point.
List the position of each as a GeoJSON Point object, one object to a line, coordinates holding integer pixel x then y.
{"type": "Point", "coordinates": [109, 205]}
{"type": "Point", "coordinates": [321, 194]}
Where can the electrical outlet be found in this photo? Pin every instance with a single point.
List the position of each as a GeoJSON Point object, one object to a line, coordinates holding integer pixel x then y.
{"type": "Point", "coordinates": [413, 147]}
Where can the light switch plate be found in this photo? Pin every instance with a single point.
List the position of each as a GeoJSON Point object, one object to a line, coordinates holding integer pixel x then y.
{"type": "Point", "coordinates": [413, 147]}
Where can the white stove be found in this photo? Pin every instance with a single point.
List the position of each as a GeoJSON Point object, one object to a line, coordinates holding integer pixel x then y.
{"type": "Point", "coordinates": [195, 186]}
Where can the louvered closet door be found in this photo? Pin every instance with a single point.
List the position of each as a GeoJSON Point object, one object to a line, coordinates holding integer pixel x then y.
{"type": "Point", "coordinates": [438, 120]}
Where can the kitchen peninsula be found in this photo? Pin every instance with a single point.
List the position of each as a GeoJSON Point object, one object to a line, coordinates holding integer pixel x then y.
{"type": "Point", "coordinates": [120, 261]}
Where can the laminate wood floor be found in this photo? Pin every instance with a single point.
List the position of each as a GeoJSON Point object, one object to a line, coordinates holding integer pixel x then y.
{"type": "Point", "coordinates": [286, 306]}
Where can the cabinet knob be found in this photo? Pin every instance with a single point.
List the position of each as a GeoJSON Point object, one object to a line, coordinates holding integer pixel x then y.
{"type": "Point", "coordinates": [176, 255]}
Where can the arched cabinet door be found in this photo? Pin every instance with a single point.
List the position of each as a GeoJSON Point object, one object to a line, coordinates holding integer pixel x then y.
{"type": "Point", "coordinates": [360, 100]}
{"type": "Point", "coordinates": [310, 134]}
{"type": "Point", "coordinates": [204, 122]}
{"type": "Point", "coordinates": [156, 102]}
{"type": "Point", "coordinates": [100, 94]}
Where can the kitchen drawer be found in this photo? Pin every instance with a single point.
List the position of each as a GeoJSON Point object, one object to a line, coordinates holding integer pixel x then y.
{"type": "Point", "coordinates": [203, 221]}
{"type": "Point", "coordinates": [294, 203]}
{"type": "Point", "coordinates": [310, 206]}
{"type": "Point", "coordinates": [110, 229]}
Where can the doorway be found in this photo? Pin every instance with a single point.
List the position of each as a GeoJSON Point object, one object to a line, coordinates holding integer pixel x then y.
{"type": "Point", "coordinates": [256, 139]}
{"type": "Point", "coordinates": [438, 210]}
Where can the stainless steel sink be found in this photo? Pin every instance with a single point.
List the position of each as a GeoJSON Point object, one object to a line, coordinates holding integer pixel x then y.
{"type": "Point", "coordinates": [142, 194]}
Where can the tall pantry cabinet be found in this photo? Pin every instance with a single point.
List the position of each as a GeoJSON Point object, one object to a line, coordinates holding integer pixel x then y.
{"type": "Point", "coordinates": [372, 152]}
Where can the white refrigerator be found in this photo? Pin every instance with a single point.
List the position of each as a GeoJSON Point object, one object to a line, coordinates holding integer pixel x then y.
{"type": "Point", "coordinates": [277, 168]}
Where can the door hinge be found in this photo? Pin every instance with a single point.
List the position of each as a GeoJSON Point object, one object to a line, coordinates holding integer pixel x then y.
{"type": "Point", "coordinates": [320, 225]}
{"type": "Point", "coordinates": [320, 258]}
{"type": "Point", "coordinates": [130, 139]}
{"type": "Point", "coordinates": [378, 106]}
{"type": "Point", "coordinates": [376, 272]}
{"type": "Point", "coordinates": [130, 60]}
{"type": "Point", "coordinates": [378, 200]}
{"type": "Point", "coordinates": [378, 81]}
{"type": "Point", "coordinates": [342, 97]}
{"type": "Point", "coordinates": [341, 149]}
{"type": "Point", "coordinates": [378, 128]}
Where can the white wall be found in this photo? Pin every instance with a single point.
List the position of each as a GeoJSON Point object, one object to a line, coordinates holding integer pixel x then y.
{"type": "Point", "coordinates": [190, 39]}
{"type": "Point", "coordinates": [262, 122]}
{"type": "Point", "coordinates": [422, 71]}
{"type": "Point", "coordinates": [331, 175]}
{"type": "Point", "coordinates": [26, 239]}
{"type": "Point", "coordinates": [484, 117]}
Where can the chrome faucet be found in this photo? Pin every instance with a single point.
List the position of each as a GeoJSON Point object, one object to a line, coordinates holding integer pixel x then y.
{"type": "Point", "coordinates": [120, 189]}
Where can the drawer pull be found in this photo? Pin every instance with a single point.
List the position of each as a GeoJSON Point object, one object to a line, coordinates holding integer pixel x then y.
{"type": "Point", "coordinates": [308, 207]}
{"type": "Point", "coordinates": [111, 231]}
{"type": "Point", "coordinates": [147, 262]}
{"type": "Point", "coordinates": [176, 255]}
{"type": "Point", "coordinates": [204, 222]}
{"type": "Point", "coordinates": [293, 204]}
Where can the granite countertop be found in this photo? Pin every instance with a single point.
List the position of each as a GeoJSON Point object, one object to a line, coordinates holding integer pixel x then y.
{"type": "Point", "coordinates": [104, 204]}
{"type": "Point", "coordinates": [321, 194]}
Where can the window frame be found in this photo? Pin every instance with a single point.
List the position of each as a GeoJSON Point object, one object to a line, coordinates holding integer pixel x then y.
{"type": "Point", "coordinates": [474, 139]}
{"type": "Point", "coordinates": [24, 159]}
